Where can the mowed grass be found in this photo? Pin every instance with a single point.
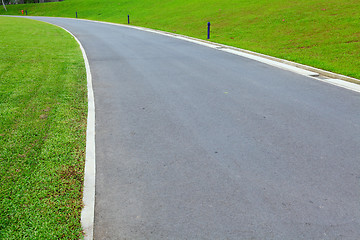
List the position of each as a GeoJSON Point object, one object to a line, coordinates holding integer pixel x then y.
{"type": "Point", "coordinates": [43, 108]}
{"type": "Point", "coordinates": [320, 33]}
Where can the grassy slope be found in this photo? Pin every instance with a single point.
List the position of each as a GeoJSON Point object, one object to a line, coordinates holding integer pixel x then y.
{"type": "Point", "coordinates": [43, 106]}
{"type": "Point", "coordinates": [320, 33]}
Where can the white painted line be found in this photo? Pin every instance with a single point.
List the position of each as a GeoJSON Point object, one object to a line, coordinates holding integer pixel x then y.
{"type": "Point", "coordinates": [342, 83]}
{"type": "Point", "coordinates": [87, 213]}
{"type": "Point", "coordinates": [271, 62]}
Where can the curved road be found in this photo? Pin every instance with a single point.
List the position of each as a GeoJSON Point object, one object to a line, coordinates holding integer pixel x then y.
{"type": "Point", "coordinates": [196, 143]}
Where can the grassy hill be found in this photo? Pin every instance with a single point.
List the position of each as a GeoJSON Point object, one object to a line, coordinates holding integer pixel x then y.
{"type": "Point", "coordinates": [320, 33]}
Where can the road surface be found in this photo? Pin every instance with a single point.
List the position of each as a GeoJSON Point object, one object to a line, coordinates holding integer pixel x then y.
{"type": "Point", "coordinates": [196, 143]}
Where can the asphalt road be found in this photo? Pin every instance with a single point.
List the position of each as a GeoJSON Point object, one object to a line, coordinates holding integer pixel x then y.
{"type": "Point", "coordinates": [196, 143]}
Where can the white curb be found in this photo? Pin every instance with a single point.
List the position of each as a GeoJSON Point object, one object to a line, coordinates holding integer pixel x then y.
{"type": "Point", "coordinates": [87, 213]}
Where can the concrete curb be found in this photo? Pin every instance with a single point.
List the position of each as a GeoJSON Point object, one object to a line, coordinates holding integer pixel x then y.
{"type": "Point", "coordinates": [87, 213]}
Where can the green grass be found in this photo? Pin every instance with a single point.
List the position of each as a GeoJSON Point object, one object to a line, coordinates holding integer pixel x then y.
{"type": "Point", "coordinates": [43, 107]}
{"type": "Point", "coordinates": [320, 33]}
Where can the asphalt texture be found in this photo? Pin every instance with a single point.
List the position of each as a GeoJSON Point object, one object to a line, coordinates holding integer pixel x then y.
{"type": "Point", "coordinates": [196, 143]}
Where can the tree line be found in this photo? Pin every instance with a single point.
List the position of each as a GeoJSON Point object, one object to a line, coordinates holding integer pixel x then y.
{"type": "Point", "coordinates": [9, 2]}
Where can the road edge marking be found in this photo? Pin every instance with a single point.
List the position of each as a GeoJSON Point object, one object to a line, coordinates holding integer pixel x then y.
{"type": "Point", "coordinates": [88, 211]}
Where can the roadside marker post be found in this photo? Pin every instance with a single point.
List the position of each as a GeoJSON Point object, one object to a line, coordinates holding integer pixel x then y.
{"type": "Point", "coordinates": [76, 14]}
{"type": "Point", "coordinates": [26, 12]}
{"type": "Point", "coordinates": [208, 32]}
{"type": "Point", "coordinates": [128, 19]}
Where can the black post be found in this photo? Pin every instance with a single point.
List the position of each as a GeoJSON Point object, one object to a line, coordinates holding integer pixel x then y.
{"type": "Point", "coordinates": [208, 30]}
{"type": "Point", "coordinates": [26, 12]}
{"type": "Point", "coordinates": [128, 19]}
{"type": "Point", "coordinates": [76, 14]}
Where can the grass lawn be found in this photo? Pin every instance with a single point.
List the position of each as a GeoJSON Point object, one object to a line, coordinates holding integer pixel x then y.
{"type": "Point", "coordinates": [43, 109]}
{"type": "Point", "coordinates": [319, 33]}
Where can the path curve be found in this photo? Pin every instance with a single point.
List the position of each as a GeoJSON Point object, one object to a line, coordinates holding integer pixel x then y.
{"type": "Point", "coordinates": [196, 143]}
